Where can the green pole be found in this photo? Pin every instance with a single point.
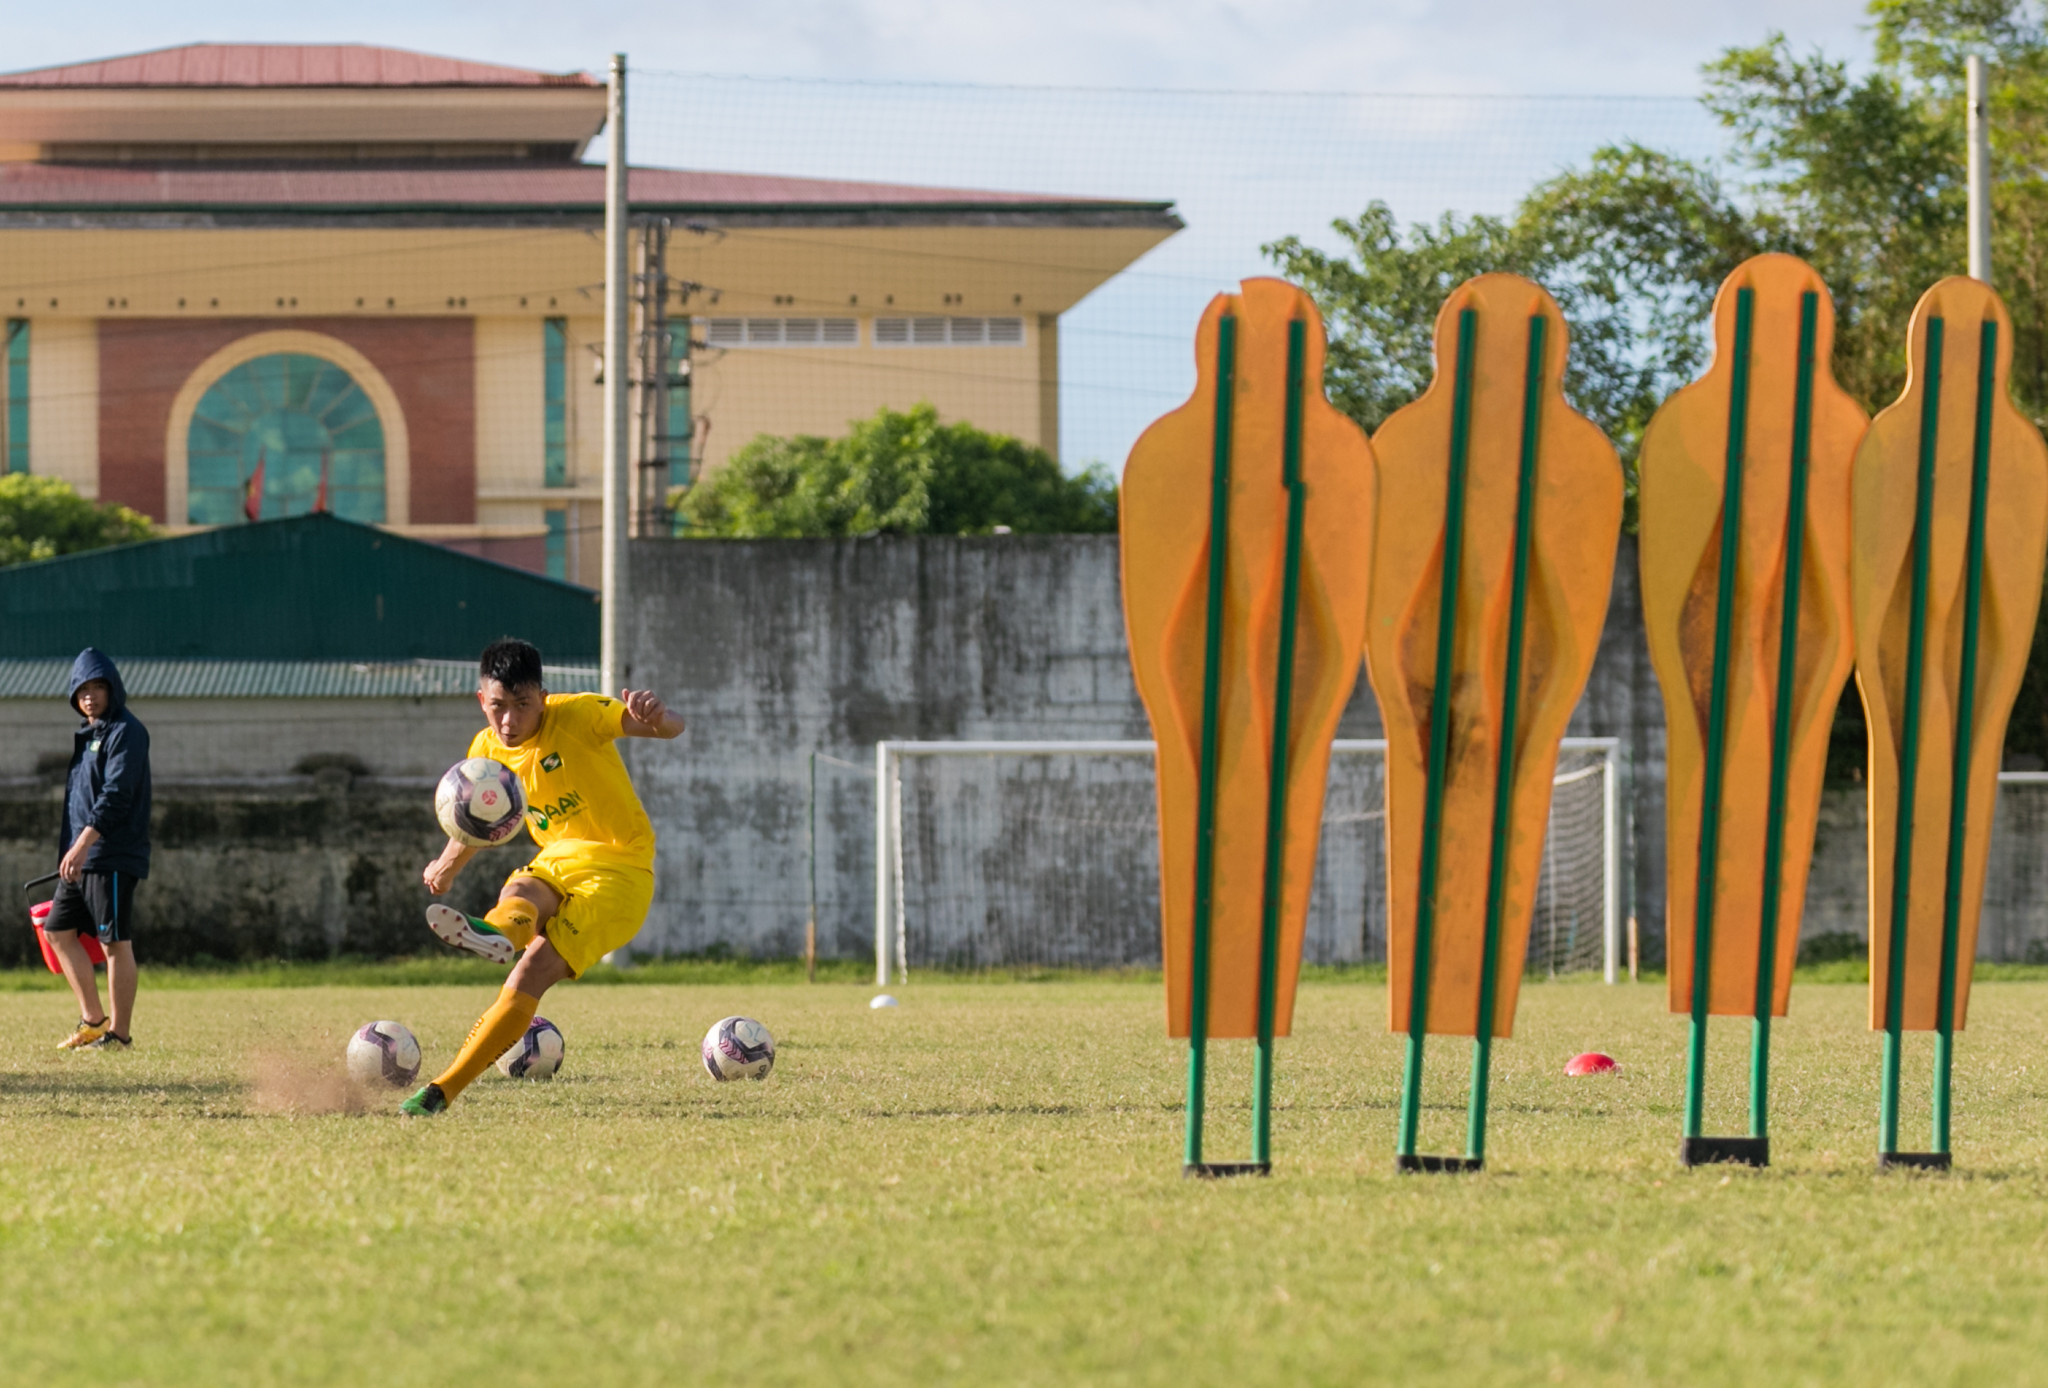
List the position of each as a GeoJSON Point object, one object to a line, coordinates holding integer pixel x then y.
{"type": "Point", "coordinates": [1781, 721]}
{"type": "Point", "coordinates": [1276, 790]}
{"type": "Point", "coordinates": [1909, 745]}
{"type": "Point", "coordinates": [1212, 673]}
{"type": "Point", "coordinates": [1966, 711]}
{"type": "Point", "coordinates": [1439, 732]}
{"type": "Point", "coordinates": [1717, 717]}
{"type": "Point", "coordinates": [1504, 771]}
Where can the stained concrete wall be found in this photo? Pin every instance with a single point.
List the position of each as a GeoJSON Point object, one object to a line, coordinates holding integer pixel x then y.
{"type": "Point", "coordinates": [304, 868]}
{"type": "Point", "coordinates": [2014, 923]}
{"type": "Point", "coordinates": [777, 649]}
{"type": "Point", "coordinates": [226, 740]}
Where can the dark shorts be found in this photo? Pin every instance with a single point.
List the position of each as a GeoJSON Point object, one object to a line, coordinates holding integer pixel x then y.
{"type": "Point", "coordinates": [97, 904]}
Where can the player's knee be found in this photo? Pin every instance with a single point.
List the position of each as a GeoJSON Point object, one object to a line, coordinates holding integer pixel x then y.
{"type": "Point", "coordinates": [544, 899]}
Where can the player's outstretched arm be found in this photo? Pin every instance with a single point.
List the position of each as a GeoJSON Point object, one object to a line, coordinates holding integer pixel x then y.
{"type": "Point", "coordinates": [648, 716]}
{"type": "Point", "coordinates": [440, 874]}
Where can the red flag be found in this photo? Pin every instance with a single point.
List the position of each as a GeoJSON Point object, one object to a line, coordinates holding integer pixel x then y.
{"type": "Point", "coordinates": [320, 501]}
{"type": "Point", "coordinates": [252, 491]}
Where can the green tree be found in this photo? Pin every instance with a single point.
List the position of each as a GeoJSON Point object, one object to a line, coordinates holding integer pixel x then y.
{"type": "Point", "coordinates": [897, 472]}
{"type": "Point", "coordinates": [42, 517]}
{"type": "Point", "coordinates": [1633, 246]}
{"type": "Point", "coordinates": [1869, 177]}
{"type": "Point", "coordinates": [1865, 176]}
{"type": "Point", "coordinates": [1862, 173]}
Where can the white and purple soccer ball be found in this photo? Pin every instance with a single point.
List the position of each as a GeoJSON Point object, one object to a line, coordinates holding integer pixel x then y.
{"type": "Point", "coordinates": [536, 1055]}
{"type": "Point", "coordinates": [479, 802]}
{"type": "Point", "coordinates": [739, 1048]}
{"type": "Point", "coordinates": [384, 1053]}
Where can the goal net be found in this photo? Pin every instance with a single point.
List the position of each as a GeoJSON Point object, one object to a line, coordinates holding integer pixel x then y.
{"type": "Point", "coordinates": [1046, 855]}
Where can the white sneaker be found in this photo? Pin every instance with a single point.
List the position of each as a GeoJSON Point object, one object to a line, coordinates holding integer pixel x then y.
{"type": "Point", "coordinates": [467, 932]}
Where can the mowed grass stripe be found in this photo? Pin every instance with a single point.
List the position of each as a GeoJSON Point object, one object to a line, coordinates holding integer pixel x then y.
{"type": "Point", "coordinates": [983, 1186]}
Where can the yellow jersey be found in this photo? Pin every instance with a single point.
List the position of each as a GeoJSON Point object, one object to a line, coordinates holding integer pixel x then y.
{"type": "Point", "coordinates": [577, 789]}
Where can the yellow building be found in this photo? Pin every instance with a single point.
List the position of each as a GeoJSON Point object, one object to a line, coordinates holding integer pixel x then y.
{"type": "Point", "coordinates": [255, 280]}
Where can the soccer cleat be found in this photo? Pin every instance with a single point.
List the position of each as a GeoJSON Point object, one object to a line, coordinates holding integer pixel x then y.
{"type": "Point", "coordinates": [108, 1041]}
{"type": "Point", "coordinates": [87, 1033]}
{"type": "Point", "coordinates": [480, 938]}
{"type": "Point", "coordinates": [425, 1104]}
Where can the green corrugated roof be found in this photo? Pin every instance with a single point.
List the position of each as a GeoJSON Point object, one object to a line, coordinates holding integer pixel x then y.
{"type": "Point", "coordinates": [279, 679]}
{"type": "Point", "coordinates": [313, 588]}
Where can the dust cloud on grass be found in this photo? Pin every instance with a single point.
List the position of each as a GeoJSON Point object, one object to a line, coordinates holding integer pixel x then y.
{"type": "Point", "coordinates": [296, 1084]}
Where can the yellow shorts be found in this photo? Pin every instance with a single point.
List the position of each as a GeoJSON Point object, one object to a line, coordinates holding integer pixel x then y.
{"type": "Point", "coordinates": [604, 899]}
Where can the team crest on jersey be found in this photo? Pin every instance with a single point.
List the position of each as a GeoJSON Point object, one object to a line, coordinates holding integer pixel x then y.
{"type": "Point", "coordinates": [551, 762]}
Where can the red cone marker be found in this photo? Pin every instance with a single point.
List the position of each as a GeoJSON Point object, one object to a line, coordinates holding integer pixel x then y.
{"type": "Point", "coordinates": [1591, 1063]}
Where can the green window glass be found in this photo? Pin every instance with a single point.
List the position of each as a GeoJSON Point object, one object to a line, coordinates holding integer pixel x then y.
{"type": "Point", "coordinates": [14, 444]}
{"type": "Point", "coordinates": [558, 543]}
{"type": "Point", "coordinates": [285, 435]}
{"type": "Point", "coordinates": [555, 401]}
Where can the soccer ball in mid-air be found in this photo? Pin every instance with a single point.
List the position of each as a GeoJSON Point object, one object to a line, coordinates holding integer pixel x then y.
{"type": "Point", "coordinates": [384, 1053]}
{"type": "Point", "coordinates": [479, 802]}
{"type": "Point", "coordinates": [536, 1055]}
{"type": "Point", "coordinates": [739, 1048]}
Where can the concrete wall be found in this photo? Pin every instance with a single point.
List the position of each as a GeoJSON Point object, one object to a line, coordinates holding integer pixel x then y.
{"type": "Point", "coordinates": [776, 649]}
{"type": "Point", "coordinates": [220, 740]}
{"type": "Point", "coordinates": [308, 869]}
{"type": "Point", "coordinates": [2013, 926]}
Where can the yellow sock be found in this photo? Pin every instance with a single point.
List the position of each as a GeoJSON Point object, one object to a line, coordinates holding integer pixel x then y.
{"type": "Point", "coordinates": [502, 1023]}
{"type": "Point", "coordinates": [516, 919]}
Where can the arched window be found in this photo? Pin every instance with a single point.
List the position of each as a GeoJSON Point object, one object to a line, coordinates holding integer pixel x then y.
{"type": "Point", "coordinates": [285, 435]}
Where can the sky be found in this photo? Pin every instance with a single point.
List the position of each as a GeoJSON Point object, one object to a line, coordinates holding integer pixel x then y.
{"type": "Point", "coordinates": [1257, 120]}
{"type": "Point", "coordinates": [1647, 47]}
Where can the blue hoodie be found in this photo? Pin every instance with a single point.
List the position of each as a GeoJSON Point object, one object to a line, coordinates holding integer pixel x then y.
{"type": "Point", "coordinates": [109, 784]}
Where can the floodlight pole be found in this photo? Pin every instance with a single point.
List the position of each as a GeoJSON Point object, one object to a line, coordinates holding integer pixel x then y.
{"type": "Point", "coordinates": [618, 495]}
{"type": "Point", "coordinates": [1979, 133]}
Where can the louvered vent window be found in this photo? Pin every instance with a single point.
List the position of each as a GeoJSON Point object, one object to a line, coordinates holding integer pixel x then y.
{"type": "Point", "coordinates": [782, 332]}
{"type": "Point", "coordinates": [949, 332]}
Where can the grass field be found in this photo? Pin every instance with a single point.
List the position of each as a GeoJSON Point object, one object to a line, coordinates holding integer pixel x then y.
{"type": "Point", "coordinates": [983, 1187]}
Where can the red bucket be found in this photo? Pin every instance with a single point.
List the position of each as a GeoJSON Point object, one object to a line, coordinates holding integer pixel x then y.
{"type": "Point", "coordinates": [38, 914]}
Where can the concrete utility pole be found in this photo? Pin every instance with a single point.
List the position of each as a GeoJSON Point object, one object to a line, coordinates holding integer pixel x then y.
{"type": "Point", "coordinates": [618, 489]}
{"type": "Point", "coordinates": [1979, 133]}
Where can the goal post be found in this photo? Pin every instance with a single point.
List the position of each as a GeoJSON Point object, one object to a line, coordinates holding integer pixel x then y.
{"type": "Point", "coordinates": [1079, 855]}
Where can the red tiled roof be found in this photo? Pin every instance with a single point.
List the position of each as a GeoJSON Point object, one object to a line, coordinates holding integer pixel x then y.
{"type": "Point", "coordinates": [287, 65]}
{"type": "Point", "coordinates": [86, 187]}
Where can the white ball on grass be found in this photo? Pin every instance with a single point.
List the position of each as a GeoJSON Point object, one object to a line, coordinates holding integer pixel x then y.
{"type": "Point", "coordinates": [537, 1055]}
{"type": "Point", "coordinates": [384, 1053]}
{"type": "Point", "coordinates": [738, 1048]}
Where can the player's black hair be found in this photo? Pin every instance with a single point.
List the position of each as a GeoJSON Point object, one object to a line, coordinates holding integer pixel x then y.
{"type": "Point", "coordinates": [512, 663]}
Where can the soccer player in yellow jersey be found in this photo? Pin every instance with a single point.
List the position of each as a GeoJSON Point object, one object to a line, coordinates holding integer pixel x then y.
{"type": "Point", "coordinates": [587, 891]}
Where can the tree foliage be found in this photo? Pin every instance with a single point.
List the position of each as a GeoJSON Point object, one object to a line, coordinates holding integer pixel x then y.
{"type": "Point", "coordinates": [43, 517]}
{"type": "Point", "coordinates": [897, 472]}
{"type": "Point", "coordinates": [1633, 246]}
{"type": "Point", "coordinates": [1860, 171]}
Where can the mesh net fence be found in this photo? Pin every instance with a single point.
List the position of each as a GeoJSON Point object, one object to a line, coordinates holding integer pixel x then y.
{"type": "Point", "coordinates": [1052, 861]}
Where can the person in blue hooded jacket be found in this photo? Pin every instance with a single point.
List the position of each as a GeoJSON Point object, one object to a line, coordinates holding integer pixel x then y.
{"type": "Point", "coordinates": [105, 843]}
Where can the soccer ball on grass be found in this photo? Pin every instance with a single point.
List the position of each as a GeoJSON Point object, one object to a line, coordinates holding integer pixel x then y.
{"type": "Point", "coordinates": [536, 1055]}
{"type": "Point", "coordinates": [479, 802]}
{"type": "Point", "coordinates": [739, 1048]}
{"type": "Point", "coordinates": [384, 1053]}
